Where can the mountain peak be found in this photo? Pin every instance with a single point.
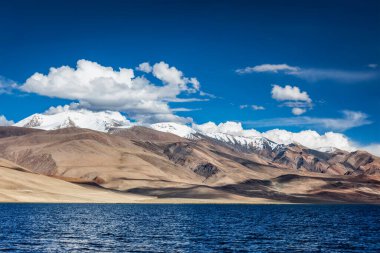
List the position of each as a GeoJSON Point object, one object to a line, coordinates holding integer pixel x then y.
{"type": "Point", "coordinates": [82, 118]}
{"type": "Point", "coordinates": [174, 128]}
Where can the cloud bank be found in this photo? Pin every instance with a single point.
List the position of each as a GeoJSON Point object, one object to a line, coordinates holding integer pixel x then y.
{"type": "Point", "coordinates": [97, 87]}
{"type": "Point", "coordinates": [308, 138]}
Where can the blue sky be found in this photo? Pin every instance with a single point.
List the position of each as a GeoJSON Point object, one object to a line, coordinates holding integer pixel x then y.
{"type": "Point", "coordinates": [328, 49]}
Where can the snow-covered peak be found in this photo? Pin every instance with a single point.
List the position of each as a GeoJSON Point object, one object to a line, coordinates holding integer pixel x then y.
{"type": "Point", "coordinates": [232, 137]}
{"type": "Point", "coordinates": [82, 118]}
{"type": "Point", "coordinates": [174, 128]}
{"type": "Point", "coordinates": [255, 142]}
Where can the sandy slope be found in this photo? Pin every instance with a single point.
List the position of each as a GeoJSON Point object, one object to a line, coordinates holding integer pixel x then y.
{"type": "Point", "coordinates": [19, 185]}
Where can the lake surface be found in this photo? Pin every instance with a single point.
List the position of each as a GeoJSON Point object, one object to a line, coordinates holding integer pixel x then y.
{"type": "Point", "coordinates": [189, 228]}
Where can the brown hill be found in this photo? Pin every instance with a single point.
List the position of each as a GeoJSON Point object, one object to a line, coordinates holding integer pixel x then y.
{"type": "Point", "coordinates": [150, 163]}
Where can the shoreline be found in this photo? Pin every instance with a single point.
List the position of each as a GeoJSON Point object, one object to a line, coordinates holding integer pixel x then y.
{"type": "Point", "coordinates": [190, 202]}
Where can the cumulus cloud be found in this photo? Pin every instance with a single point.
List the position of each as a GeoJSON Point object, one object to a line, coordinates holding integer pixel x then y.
{"type": "Point", "coordinates": [5, 122]}
{"type": "Point", "coordinates": [310, 139]}
{"type": "Point", "coordinates": [144, 67]}
{"type": "Point", "coordinates": [167, 74]}
{"type": "Point", "coordinates": [307, 138]}
{"type": "Point", "coordinates": [299, 101]}
{"type": "Point", "coordinates": [173, 76]}
{"type": "Point", "coordinates": [314, 74]}
{"type": "Point", "coordinates": [350, 119]}
{"type": "Point", "coordinates": [298, 111]}
{"type": "Point", "coordinates": [228, 127]}
{"type": "Point", "coordinates": [98, 87]}
{"type": "Point", "coordinates": [289, 93]}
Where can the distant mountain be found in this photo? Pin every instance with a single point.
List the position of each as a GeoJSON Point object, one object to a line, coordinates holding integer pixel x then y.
{"type": "Point", "coordinates": [175, 128]}
{"type": "Point", "coordinates": [251, 142]}
{"type": "Point", "coordinates": [82, 118]}
{"type": "Point", "coordinates": [324, 159]}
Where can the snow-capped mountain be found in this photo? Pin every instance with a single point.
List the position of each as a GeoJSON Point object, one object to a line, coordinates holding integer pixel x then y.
{"type": "Point", "coordinates": [82, 118]}
{"type": "Point", "coordinates": [105, 120]}
{"type": "Point", "coordinates": [250, 142]}
{"type": "Point", "coordinates": [230, 133]}
{"type": "Point", "coordinates": [175, 128]}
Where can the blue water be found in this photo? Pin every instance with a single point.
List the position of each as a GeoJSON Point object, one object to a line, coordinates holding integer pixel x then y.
{"type": "Point", "coordinates": [189, 228]}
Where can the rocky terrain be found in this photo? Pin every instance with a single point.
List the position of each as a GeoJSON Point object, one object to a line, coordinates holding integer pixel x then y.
{"type": "Point", "coordinates": [144, 164]}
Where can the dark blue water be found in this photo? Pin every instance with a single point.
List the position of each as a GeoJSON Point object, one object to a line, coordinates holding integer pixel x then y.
{"type": "Point", "coordinates": [189, 228]}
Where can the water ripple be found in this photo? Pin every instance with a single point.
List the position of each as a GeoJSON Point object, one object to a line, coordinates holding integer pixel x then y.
{"type": "Point", "coordinates": [189, 228]}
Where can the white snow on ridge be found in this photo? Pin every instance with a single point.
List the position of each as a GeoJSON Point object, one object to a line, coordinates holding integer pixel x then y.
{"type": "Point", "coordinates": [256, 142]}
{"type": "Point", "coordinates": [82, 118]}
{"type": "Point", "coordinates": [174, 128]}
{"type": "Point", "coordinates": [228, 132]}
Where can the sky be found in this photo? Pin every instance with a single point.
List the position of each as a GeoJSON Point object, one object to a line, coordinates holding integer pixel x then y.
{"type": "Point", "coordinates": [292, 65]}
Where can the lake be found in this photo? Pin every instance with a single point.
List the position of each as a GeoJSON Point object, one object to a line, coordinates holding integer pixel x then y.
{"type": "Point", "coordinates": [189, 228]}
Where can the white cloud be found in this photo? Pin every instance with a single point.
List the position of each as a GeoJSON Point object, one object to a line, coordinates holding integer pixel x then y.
{"type": "Point", "coordinates": [275, 68]}
{"type": "Point", "coordinates": [7, 85]}
{"type": "Point", "coordinates": [102, 88]}
{"type": "Point", "coordinates": [314, 74]}
{"type": "Point", "coordinates": [254, 107]}
{"type": "Point", "coordinates": [289, 93]}
{"type": "Point", "coordinates": [307, 138]}
{"type": "Point", "coordinates": [372, 148]}
{"type": "Point", "coordinates": [167, 74]}
{"type": "Point", "coordinates": [5, 122]}
{"type": "Point", "coordinates": [296, 99]}
{"type": "Point", "coordinates": [350, 119]}
{"type": "Point", "coordinates": [298, 111]}
{"type": "Point", "coordinates": [258, 107]}
{"type": "Point", "coordinates": [228, 127]}
{"type": "Point", "coordinates": [144, 67]}
{"type": "Point", "coordinates": [205, 94]}
{"type": "Point", "coordinates": [310, 139]}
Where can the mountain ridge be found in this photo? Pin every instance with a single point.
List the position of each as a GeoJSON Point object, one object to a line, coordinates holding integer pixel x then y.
{"type": "Point", "coordinates": [156, 164]}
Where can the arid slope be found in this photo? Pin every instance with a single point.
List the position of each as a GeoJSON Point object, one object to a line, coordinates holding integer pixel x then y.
{"type": "Point", "coordinates": [152, 164]}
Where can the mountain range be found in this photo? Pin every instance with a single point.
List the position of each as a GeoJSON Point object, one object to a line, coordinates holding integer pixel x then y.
{"type": "Point", "coordinates": [104, 153]}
